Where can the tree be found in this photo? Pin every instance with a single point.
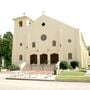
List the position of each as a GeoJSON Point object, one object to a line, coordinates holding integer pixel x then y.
{"type": "Point", "coordinates": [7, 48]}
{"type": "Point", "coordinates": [0, 50]}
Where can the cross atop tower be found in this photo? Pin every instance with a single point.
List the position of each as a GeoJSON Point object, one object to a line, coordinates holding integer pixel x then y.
{"type": "Point", "coordinates": [43, 12]}
{"type": "Point", "coordinates": [24, 13]}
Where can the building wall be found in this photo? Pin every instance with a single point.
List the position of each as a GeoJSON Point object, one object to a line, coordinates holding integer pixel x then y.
{"type": "Point", "coordinates": [88, 57]}
{"type": "Point", "coordinates": [54, 30]}
{"type": "Point", "coordinates": [84, 52]}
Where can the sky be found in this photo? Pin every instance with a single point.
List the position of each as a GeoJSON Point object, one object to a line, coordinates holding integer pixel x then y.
{"type": "Point", "coordinates": [75, 13]}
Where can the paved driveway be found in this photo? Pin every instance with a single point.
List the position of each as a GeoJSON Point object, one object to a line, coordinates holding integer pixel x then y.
{"type": "Point", "coordinates": [41, 85]}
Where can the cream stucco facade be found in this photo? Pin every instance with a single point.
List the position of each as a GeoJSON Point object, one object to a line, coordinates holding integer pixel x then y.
{"type": "Point", "coordinates": [46, 41]}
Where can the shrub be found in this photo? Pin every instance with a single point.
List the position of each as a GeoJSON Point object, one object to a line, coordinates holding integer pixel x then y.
{"type": "Point", "coordinates": [74, 64]}
{"type": "Point", "coordinates": [83, 70]}
{"type": "Point", "coordinates": [70, 67]}
{"type": "Point", "coordinates": [63, 65]}
{"type": "Point", "coordinates": [13, 67]}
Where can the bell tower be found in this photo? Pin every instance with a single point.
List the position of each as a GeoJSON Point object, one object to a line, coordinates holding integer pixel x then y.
{"type": "Point", "coordinates": [21, 22]}
{"type": "Point", "coordinates": [21, 25]}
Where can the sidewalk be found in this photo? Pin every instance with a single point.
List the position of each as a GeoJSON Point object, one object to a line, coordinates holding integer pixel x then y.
{"type": "Point", "coordinates": [26, 76]}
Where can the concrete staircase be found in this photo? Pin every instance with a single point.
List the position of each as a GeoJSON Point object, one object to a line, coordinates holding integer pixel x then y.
{"type": "Point", "coordinates": [39, 67]}
{"type": "Point", "coordinates": [27, 68]}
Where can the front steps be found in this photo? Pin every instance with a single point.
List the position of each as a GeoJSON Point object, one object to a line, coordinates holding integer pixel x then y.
{"type": "Point", "coordinates": [42, 67]}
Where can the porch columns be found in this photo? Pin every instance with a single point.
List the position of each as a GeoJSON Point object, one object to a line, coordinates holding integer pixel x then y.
{"type": "Point", "coordinates": [48, 59]}
{"type": "Point", "coordinates": [38, 59]}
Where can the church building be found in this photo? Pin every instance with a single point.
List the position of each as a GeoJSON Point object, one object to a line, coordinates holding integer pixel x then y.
{"type": "Point", "coordinates": [43, 43]}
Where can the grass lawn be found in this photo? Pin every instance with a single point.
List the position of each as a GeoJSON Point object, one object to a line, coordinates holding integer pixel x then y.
{"type": "Point", "coordinates": [73, 76]}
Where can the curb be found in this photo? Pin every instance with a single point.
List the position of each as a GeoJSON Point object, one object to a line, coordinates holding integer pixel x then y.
{"type": "Point", "coordinates": [47, 80]}
{"type": "Point", "coordinates": [29, 79]}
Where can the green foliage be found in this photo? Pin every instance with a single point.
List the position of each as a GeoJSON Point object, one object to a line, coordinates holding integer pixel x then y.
{"type": "Point", "coordinates": [1, 45]}
{"type": "Point", "coordinates": [83, 70]}
{"type": "Point", "coordinates": [63, 65]}
{"type": "Point", "coordinates": [70, 67]}
{"type": "Point", "coordinates": [13, 67]}
{"type": "Point", "coordinates": [7, 48]}
{"type": "Point", "coordinates": [72, 75]}
{"type": "Point", "coordinates": [73, 78]}
{"type": "Point", "coordinates": [74, 64]}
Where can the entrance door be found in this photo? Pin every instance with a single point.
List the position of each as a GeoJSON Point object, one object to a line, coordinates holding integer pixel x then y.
{"type": "Point", "coordinates": [33, 59]}
{"type": "Point", "coordinates": [43, 59]}
{"type": "Point", "coordinates": [54, 58]}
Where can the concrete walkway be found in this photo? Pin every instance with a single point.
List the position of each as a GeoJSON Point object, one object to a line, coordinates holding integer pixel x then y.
{"type": "Point", "coordinates": [27, 75]}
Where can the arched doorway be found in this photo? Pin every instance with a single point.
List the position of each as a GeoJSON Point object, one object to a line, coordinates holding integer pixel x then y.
{"type": "Point", "coordinates": [54, 58]}
{"type": "Point", "coordinates": [43, 59]}
{"type": "Point", "coordinates": [33, 59]}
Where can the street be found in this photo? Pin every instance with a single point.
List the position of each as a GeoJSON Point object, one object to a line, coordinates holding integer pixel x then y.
{"type": "Point", "coordinates": [41, 85]}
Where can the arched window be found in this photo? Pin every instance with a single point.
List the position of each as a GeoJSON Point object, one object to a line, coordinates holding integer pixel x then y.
{"type": "Point", "coordinates": [20, 57]}
{"type": "Point", "coordinates": [20, 23]}
{"type": "Point", "coordinates": [33, 44]}
{"type": "Point", "coordinates": [53, 43]}
{"type": "Point", "coordinates": [69, 55]}
{"type": "Point", "coordinates": [21, 44]}
{"type": "Point", "coordinates": [69, 40]}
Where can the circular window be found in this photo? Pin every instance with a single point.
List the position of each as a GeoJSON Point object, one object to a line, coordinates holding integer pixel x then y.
{"type": "Point", "coordinates": [20, 44]}
{"type": "Point", "coordinates": [69, 40]}
{"type": "Point", "coordinates": [43, 24]}
{"type": "Point", "coordinates": [43, 37]}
